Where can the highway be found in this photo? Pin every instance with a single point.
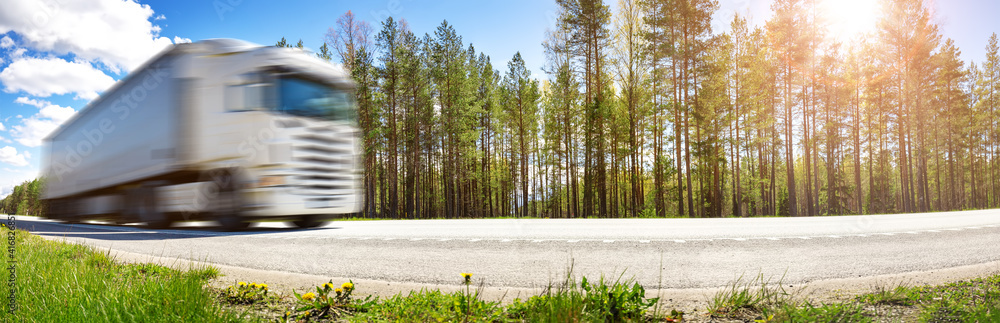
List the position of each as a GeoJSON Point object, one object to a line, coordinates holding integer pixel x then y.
{"type": "Point", "coordinates": [531, 253]}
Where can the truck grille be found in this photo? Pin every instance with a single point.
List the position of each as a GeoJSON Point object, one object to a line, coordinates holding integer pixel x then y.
{"type": "Point", "coordinates": [325, 164]}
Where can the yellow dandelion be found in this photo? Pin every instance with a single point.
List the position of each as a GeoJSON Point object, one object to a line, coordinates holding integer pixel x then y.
{"type": "Point", "coordinates": [347, 286]}
{"type": "Point", "coordinates": [327, 286]}
{"type": "Point", "coordinates": [263, 286]}
{"type": "Point", "coordinates": [309, 296]}
{"type": "Point", "coordinates": [467, 277]}
{"type": "Point", "coordinates": [338, 290]}
{"type": "Point", "coordinates": [243, 284]}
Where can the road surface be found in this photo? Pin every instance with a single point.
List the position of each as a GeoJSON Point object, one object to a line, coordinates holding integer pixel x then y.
{"type": "Point", "coordinates": [664, 253]}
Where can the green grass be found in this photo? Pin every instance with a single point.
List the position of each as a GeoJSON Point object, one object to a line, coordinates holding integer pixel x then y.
{"type": "Point", "coordinates": [758, 300]}
{"type": "Point", "coordinates": [62, 282]}
{"type": "Point", "coordinates": [829, 313]}
{"type": "Point", "coordinates": [761, 300]}
{"type": "Point", "coordinates": [896, 294]}
{"type": "Point", "coordinates": [604, 301]}
{"type": "Point", "coordinates": [571, 301]}
{"type": "Point", "coordinates": [976, 300]}
{"type": "Point", "coordinates": [746, 298]}
{"type": "Point", "coordinates": [429, 306]}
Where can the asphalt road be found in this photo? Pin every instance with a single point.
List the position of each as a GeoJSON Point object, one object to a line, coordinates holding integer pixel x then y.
{"type": "Point", "coordinates": [665, 253]}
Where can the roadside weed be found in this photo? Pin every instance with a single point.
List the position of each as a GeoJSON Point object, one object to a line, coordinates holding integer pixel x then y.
{"type": "Point", "coordinates": [747, 297]}
{"type": "Point", "coordinates": [829, 313]}
{"type": "Point", "coordinates": [604, 301]}
{"type": "Point", "coordinates": [895, 294]}
{"type": "Point", "coordinates": [433, 306]}
{"type": "Point", "coordinates": [321, 304]}
{"type": "Point", "coordinates": [245, 293]}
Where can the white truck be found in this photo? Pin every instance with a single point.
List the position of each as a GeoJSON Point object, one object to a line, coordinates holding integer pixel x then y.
{"type": "Point", "coordinates": [221, 130]}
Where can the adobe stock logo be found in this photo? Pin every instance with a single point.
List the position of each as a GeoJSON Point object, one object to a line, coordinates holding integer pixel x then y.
{"type": "Point", "coordinates": [392, 8]}
{"type": "Point", "coordinates": [47, 10]}
{"type": "Point", "coordinates": [94, 137]}
{"type": "Point", "coordinates": [224, 6]}
{"type": "Point", "coordinates": [248, 149]}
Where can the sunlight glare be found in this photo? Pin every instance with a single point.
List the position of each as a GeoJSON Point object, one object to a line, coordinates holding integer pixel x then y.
{"type": "Point", "coordinates": [849, 18]}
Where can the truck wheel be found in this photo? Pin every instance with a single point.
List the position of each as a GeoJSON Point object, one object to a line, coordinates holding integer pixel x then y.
{"type": "Point", "coordinates": [233, 223]}
{"type": "Point", "coordinates": [229, 217]}
{"type": "Point", "coordinates": [309, 221]}
{"type": "Point", "coordinates": [229, 204]}
{"type": "Point", "coordinates": [64, 211]}
{"type": "Point", "coordinates": [148, 212]}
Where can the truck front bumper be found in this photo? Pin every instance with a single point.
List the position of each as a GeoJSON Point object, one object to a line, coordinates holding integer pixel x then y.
{"type": "Point", "coordinates": [277, 202]}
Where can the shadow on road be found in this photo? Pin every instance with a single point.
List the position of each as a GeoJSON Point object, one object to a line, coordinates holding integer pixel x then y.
{"type": "Point", "coordinates": [112, 232]}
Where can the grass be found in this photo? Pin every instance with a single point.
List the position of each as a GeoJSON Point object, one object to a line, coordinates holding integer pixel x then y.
{"type": "Point", "coordinates": [621, 300]}
{"type": "Point", "coordinates": [976, 300]}
{"type": "Point", "coordinates": [604, 301]}
{"type": "Point", "coordinates": [62, 282]}
{"type": "Point", "coordinates": [429, 306]}
{"type": "Point", "coordinates": [830, 313]}
{"type": "Point", "coordinates": [571, 301]}
{"type": "Point", "coordinates": [758, 300]}
{"type": "Point", "coordinates": [894, 295]}
{"type": "Point", "coordinates": [745, 298]}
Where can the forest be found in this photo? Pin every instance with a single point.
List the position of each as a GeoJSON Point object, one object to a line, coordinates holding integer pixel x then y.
{"type": "Point", "coordinates": [645, 112]}
{"type": "Point", "coordinates": [25, 199]}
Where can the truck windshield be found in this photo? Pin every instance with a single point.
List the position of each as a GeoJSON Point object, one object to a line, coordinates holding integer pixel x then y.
{"type": "Point", "coordinates": [302, 97]}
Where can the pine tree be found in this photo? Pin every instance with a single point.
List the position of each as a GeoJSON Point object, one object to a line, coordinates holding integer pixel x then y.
{"type": "Point", "coordinates": [788, 42]}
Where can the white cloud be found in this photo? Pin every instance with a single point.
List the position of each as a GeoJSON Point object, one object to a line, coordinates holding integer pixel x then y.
{"type": "Point", "coordinates": [37, 103]}
{"type": "Point", "coordinates": [6, 190]}
{"type": "Point", "coordinates": [119, 34]}
{"type": "Point", "coordinates": [46, 76]}
{"type": "Point", "coordinates": [6, 42]}
{"type": "Point", "coordinates": [178, 40]}
{"type": "Point", "coordinates": [2, 127]}
{"type": "Point", "coordinates": [9, 155]}
{"type": "Point", "coordinates": [160, 17]}
{"type": "Point", "coordinates": [32, 130]}
{"type": "Point", "coordinates": [56, 113]}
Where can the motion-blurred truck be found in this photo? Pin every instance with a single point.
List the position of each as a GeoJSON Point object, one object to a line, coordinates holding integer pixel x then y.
{"type": "Point", "coordinates": [221, 130]}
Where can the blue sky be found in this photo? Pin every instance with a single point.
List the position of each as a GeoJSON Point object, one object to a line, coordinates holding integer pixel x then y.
{"type": "Point", "coordinates": [56, 55]}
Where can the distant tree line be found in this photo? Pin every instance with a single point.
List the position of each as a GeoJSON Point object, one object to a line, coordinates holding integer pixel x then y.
{"type": "Point", "coordinates": [25, 199]}
{"type": "Point", "coordinates": [647, 112]}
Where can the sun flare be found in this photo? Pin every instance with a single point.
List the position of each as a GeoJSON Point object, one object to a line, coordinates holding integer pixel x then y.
{"type": "Point", "coordinates": [850, 18]}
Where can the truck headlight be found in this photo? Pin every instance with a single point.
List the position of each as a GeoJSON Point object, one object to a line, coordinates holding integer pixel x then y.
{"type": "Point", "coordinates": [269, 181]}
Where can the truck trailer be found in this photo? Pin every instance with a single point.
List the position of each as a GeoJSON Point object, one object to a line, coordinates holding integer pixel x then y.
{"type": "Point", "coordinates": [216, 130]}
